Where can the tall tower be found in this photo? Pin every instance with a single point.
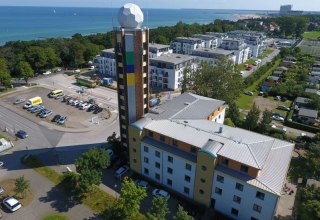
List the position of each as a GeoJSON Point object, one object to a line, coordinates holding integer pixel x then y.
{"type": "Point", "coordinates": [132, 63]}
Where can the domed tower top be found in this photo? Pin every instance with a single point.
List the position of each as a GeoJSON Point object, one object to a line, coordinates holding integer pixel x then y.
{"type": "Point", "coordinates": [130, 16]}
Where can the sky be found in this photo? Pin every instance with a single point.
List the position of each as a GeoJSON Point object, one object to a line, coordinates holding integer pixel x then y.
{"type": "Point", "coordinates": [306, 5]}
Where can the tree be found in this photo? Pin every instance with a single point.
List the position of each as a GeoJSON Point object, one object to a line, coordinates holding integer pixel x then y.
{"type": "Point", "coordinates": [185, 84]}
{"type": "Point", "coordinates": [311, 209]}
{"type": "Point", "coordinates": [159, 209]}
{"type": "Point", "coordinates": [5, 78]}
{"type": "Point", "coordinates": [182, 214]}
{"type": "Point", "coordinates": [130, 198]}
{"type": "Point", "coordinates": [95, 158]}
{"type": "Point", "coordinates": [266, 120]}
{"type": "Point", "coordinates": [252, 118]}
{"type": "Point", "coordinates": [229, 122]}
{"type": "Point", "coordinates": [25, 70]}
{"type": "Point", "coordinates": [87, 179]}
{"type": "Point", "coordinates": [233, 113]}
{"type": "Point", "coordinates": [21, 185]}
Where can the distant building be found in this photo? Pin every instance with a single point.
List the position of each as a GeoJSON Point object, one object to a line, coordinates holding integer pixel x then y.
{"type": "Point", "coordinates": [211, 55]}
{"type": "Point", "coordinates": [287, 10]}
{"type": "Point", "coordinates": [220, 36]}
{"type": "Point", "coordinates": [166, 71]}
{"type": "Point", "coordinates": [240, 49]}
{"type": "Point", "coordinates": [156, 50]}
{"type": "Point", "coordinates": [185, 45]}
{"type": "Point", "coordinates": [105, 63]}
{"type": "Point", "coordinates": [209, 40]}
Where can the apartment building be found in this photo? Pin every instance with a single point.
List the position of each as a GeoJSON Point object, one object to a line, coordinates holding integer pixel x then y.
{"type": "Point", "coordinates": [239, 48]}
{"type": "Point", "coordinates": [105, 63]}
{"type": "Point", "coordinates": [156, 50]}
{"type": "Point", "coordinates": [166, 71]}
{"type": "Point", "coordinates": [209, 40]}
{"type": "Point", "coordinates": [184, 45]}
{"type": "Point", "coordinates": [255, 40]}
{"type": "Point", "coordinates": [211, 55]}
{"type": "Point", "coordinates": [220, 36]}
{"type": "Point", "coordinates": [184, 146]}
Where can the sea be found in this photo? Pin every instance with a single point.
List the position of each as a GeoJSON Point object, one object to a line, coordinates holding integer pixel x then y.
{"type": "Point", "coordinates": [35, 23]}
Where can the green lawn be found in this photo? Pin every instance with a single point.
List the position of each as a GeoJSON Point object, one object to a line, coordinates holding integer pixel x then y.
{"type": "Point", "coordinates": [268, 51]}
{"type": "Point", "coordinates": [312, 34]}
{"type": "Point", "coordinates": [55, 217]}
{"type": "Point", "coordinates": [242, 65]}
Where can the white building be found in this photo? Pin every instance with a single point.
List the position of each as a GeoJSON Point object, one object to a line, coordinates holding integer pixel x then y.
{"type": "Point", "coordinates": [166, 71]}
{"type": "Point", "coordinates": [239, 48]}
{"type": "Point", "coordinates": [105, 63]}
{"type": "Point", "coordinates": [185, 45]}
{"type": "Point", "coordinates": [156, 50]}
{"type": "Point", "coordinates": [220, 36]}
{"type": "Point", "coordinates": [209, 40]}
{"type": "Point", "coordinates": [211, 55]}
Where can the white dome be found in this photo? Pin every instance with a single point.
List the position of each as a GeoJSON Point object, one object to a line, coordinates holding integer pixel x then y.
{"type": "Point", "coordinates": [130, 16]}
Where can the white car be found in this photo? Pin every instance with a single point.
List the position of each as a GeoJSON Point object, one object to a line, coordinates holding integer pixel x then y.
{"type": "Point", "coordinates": [142, 184]}
{"type": "Point", "coordinates": [1, 164]}
{"type": "Point", "coordinates": [75, 102]}
{"type": "Point", "coordinates": [86, 106]}
{"type": "Point", "coordinates": [283, 107]}
{"type": "Point", "coordinates": [121, 171]}
{"type": "Point", "coordinates": [1, 190]}
{"type": "Point", "coordinates": [278, 118]}
{"type": "Point", "coordinates": [160, 192]}
{"type": "Point", "coordinates": [11, 203]}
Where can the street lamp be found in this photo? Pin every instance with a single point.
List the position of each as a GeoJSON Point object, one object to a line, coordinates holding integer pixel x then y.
{"type": "Point", "coordinates": [116, 194]}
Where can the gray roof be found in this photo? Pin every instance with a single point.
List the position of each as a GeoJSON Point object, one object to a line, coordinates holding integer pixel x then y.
{"type": "Point", "coordinates": [158, 46]}
{"type": "Point", "coordinates": [283, 68]}
{"type": "Point", "coordinates": [185, 106]}
{"type": "Point", "coordinates": [214, 51]}
{"type": "Point", "coordinates": [279, 72]}
{"type": "Point", "coordinates": [275, 78]}
{"type": "Point", "coordinates": [308, 113]}
{"type": "Point", "coordinates": [173, 58]}
{"type": "Point", "coordinates": [315, 91]}
{"type": "Point", "coordinates": [302, 100]}
{"type": "Point", "coordinates": [110, 50]}
{"type": "Point", "coordinates": [271, 156]}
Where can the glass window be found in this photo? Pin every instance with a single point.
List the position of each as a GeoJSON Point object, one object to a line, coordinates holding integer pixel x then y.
{"type": "Point", "coordinates": [204, 168]}
{"type": "Point", "coordinates": [202, 180]}
{"type": "Point", "coordinates": [257, 208]}
{"type": "Point", "coordinates": [225, 161]}
{"type": "Point", "coordinates": [260, 195]}
{"type": "Point", "coordinates": [236, 199]}
{"type": "Point", "coordinates": [162, 138]}
{"type": "Point", "coordinates": [201, 191]}
{"type": "Point", "coordinates": [151, 133]}
{"type": "Point", "coordinates": [134, 161]}
{"type": "Point", "coordinates": [146, 149]}
{"type": "Point", "coordinates": [134, 140]}
{"type": "Point", "coordinates": [220, 178]}
{"type": "Point", "coordinates": [188, 166]}
{"type": "Point", "coordinates": [134, 150]}
{"type": "Point", "coordinates": [146, 159]}
{"type": "Point", "coordinates": [169, 170]}
{"type": "Point", "coordinates": [174, 142]}
{"type": "Point", "coordinates": [157, 165]}
{"type": "Point", "coordinates": [146, 171]}
{"type": "Point", "coordinates": [157, 153]}
{"type": "Point", "coordinates": [170, 159]}
{"type": "Point", "coordinates": [234, 211]}
{"type": "Point", "coordinates": [244, 168]}
{"type": "Point", "coordinates": [239, 186]}
{"type": "Point", "coordinates": [187, 178]}
{"type": "Point", "coordinates": [157, 175]}
{"type": "Point", "coordinates": [218, 190]}
{"type": "Point", "coordinates": [186, 190]}
{"type": "Point", "coordinates": [169, 182]}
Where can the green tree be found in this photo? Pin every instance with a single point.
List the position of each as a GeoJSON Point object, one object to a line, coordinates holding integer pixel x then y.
{"type": "Point", "coordinates": [266, 120]}
{"type": "Point", "coordinates": [25, 70]}
{"type": "Point", "coordinates": [21, 185]}
{"type": "Point", "coordinates": [5, 78]}
{"type": "Point", "coordinates": [233, 113]}
{"type": "Point", "coordinates": [252, 118]}
{"type": "Point", "coordinates": [159, 209]}
{"type": "Point", "coordinates": [182, 214]}
{"type": "Point", "coordinates": [311, 210]}
{"type": "Point", "coordinates": [36, 57]}
{"type": "Point", "coordinates": [95, 158]}
{"type": "Point", "coordinates": [87, 179]}
{"type": "Point", "coordinates": [229, 122]}
{"type": "Point", "coordinates": [186, 81]}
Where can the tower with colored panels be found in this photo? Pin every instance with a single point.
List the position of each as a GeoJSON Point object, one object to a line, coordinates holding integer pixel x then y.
{"type": "Point", "coordinates": [132, 63]}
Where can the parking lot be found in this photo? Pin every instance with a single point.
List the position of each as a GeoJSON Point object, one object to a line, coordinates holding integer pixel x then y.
{"type": "Point", "coordinates": [76, 118]}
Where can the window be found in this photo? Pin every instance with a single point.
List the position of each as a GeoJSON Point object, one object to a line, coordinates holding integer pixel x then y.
{"type": "Point", "coordinates": [201, 191]}
{"type": "Point", "coordinates": [146, 159]}
{"type": "Point", "coordinates": [170, 159]}
{"type": "Point", "coordinates": [225, 161]}
{"type": "Point", "coordinates": [257, 208]}
{"type": "Point", "coordinates": [134, 161]}
{"type": "Point", "coordinates": [134, 150]}
{"type": "Point", "coordinates": [202, 180]}
{"type": "Point", "coordinates": [169, 182]}
{"type": "Point", "coordinates": [162, 138]}
{"type": "Point", "coordinates": [157, 176]}
{"type": "Point", "coordinates": [146, 171]}
{"type": "Point", "coordinates": [157, 153]}
{"type": "Point", "coordinates": [134, 140]}
{"type": "Point", "coordinates": [151, 133]}
{"type": "Point", "coordinates": [239, 186]}
{"type": "Point", "coordinates": [146, 149]}
{"type": "Point", "coordinates": [253, 218]}
{"type": "Point", "coordinates": [157, 165]}
{"type": "Point", "coordinates": [187, 178]}
{"type": "Point", "coordinates": [236, 199]}
{"type": "Point", "coordinates": [244, 168]}
{"type": "Point", "coordinates": [194, 149]}
{"type": "Point", "coordinates": [218, 191]}
{"type": "Point", "coordinates": [220, 179]}
{"type": "Point", "coordinates": [169, 170]}
{"type": "Point", "coordinates": [188, 166]}
{"type": "Point", "coordinates": [174, 142]}
{"type": "Point", "coordinates": [260, 195]}
{"type": "Point", "coordinates": [204, 168]}
{"type": "Point", "coordinates": [234, 211]}
{"type": "Point", "coordinates": [186, 190]}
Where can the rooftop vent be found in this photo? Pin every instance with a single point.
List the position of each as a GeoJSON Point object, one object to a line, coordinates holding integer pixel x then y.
{"type": "Point", "coordinates": [187, 103]}
{"type": "Point", "coordinates": [185, 122]}
{"type": "Point", "coordinates": [220, 130]}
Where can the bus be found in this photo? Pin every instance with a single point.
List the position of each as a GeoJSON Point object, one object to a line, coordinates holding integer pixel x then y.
{"type": "Point", "coordinates": [55, 93]}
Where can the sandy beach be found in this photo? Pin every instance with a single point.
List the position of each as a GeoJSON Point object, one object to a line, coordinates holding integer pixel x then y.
{"type": "Point", "coordinates": [248, 16]}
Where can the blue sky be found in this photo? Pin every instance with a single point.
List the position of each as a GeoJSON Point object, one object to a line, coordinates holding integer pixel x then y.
{"type": "Point", "coordinates": [307, 5]}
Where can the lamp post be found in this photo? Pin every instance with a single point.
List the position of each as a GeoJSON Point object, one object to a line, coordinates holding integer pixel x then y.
{"type": "Point", "coordinates": [115, 187]}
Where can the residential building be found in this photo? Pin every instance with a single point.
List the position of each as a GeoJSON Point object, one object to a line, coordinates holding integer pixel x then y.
{"type": "Point", "coordinates": [234, 171]}
{"type": "Point", "coordinates": [156, 50]}
{"type": "Point", "coordinates": [239, 48]}
{"type": "Point", "coordinates": [301, 102]}
{"type": "Point", "coordinates": [209, 40]}
{"type": "Point", "coordinates": [285, 9]}
{"type": "Point", "coordinates": [166, 71]}
{"type": "Point", "coordinates": [220, 36]}
{"type": "Point", "coordinates": [312, 91]}
{"type": "Point", "coordinates": [185, 45]}
{"type": "Point", "coordinates": [211, 55]}
{"type": "Point", "coordinates": [307, 116]}
{"type": "Point", "coordinates": [132, 64]}
{"type": "Point", "coordinates": [105, 63]}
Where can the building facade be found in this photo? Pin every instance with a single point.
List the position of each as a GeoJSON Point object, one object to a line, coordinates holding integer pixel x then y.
{"type": "Point", "coordinates": [239, 48]}
{"type": "Point", "coordinates": [211, 55]}
{"type": "Point", "coordinates": [185, 45]}
{"type": "Point", "coordinates": [105, 63]}
{"type": "Point", "coordinates": [156, 50]}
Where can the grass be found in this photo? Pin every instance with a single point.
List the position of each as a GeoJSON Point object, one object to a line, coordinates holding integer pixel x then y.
{"type": "Point", "coordinates": [245, 101]}
{"type": "Point", "coordinates": [98, 200]}
{"type": "Point", "coordinates": [311, 35]}
{"type": "Point", "coordinates": [55, 217]}
{"type": "Point", "coordinates": [268, 51]}
{"type": "Point", "coordinates": [242, 65]}
{"type": "Point", "coordinates": [310, 47]}
{"type": "Point", "coordinates": [9, 185]}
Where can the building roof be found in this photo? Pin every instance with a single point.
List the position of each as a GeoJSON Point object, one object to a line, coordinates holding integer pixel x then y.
{"type": "Point", "coordinates": [274, 78]}
{"type": "Point", "coordinates": [158, 46]}
{"type": "Point", "coordinates": [308, 113]}
{"type": "Point", "coordinates": [110, 50]}
{"type": "Point", "coordinates": [173, 58]}
{"type": "Point", "coordinates": [185, 106]}
{"type": "Point", "coordinates": [314, 91]}
{"type": "Point", "coordinates": [311, 182]}
{"type": "Point", "coordinates": [214, 51]}
{"type": "Point", "coordinates": [282, 68]}
{"type": "Point", "coordinates": [302, 100]}
{"type": "Point", "coordinates": [271, 156]}
{"type": "Point", "coordinates": [278, 72]}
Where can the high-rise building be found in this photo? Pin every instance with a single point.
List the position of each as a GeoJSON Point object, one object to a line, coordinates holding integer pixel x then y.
{"type": "Point", "coordinates": [132, 64]}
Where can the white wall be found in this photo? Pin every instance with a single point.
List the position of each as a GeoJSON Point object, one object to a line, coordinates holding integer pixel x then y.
{"type": "Point", "coordinates": [224, 202]}
{"type": "Point", "coordinates": [178, 167]}
{"type": "Point", "coordinates": [220, 118]}
{"type": "Point", "coordinates": [106, 66]}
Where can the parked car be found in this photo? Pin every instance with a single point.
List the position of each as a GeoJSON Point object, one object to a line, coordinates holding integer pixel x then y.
{"type": "Point", "coordinates": [27, 105]}
{"type": "Point", "coordinates": [97, 110]}
{"type": "Point", "coordinates": [21, 134]}
{"type": "Point", "coordinates": [59, 96]}
{"type": "Point", "coordinates": [75, 102]}
{"type": "Point", "coordinates": [1, 164]}
{"type": "Point", "coordinates": [41, 112]}
{"type": "Point", "coordinates": [283, 107]}
{"type": "Point", "coordinates": [11, 203]}
{"type": "Point", "coordinates": [62, 120]}
{"type": "Point", "coordinates": [248, 93]}
{"type": "Point", "coordinates": [33, 107]}
{"type": "Point", "coordinates": [18, 101]}
{"type": "Point", "coordinates": [142, 184]}
{"type": "Point", "coordinates": [56, 118]}
{"type": "Point", "coordinates": [161, 192]}
{"type": "Point", "coordinates": [92, 108]}
{"type": "Point", "coordinates": [277, 117]}
{"type": "Point", "coordinates": [278, 98]}
{"type": "Point", "coordinates": [35, 110]}
{"type": "Point", "coordinates": [121, 171]}
{"type": "Point", "coordinates": [70, 101]}
{"type": "Point", "coordinates": [1, 190]}
{"type": "Point", "coordinates": [79, 104]}
{"type": "Point", "coordinates": [85, 106]}
{"type": "Point", "coordinates": [46, 114]}
{"type": "Point", "coordinates": [82, 105]}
